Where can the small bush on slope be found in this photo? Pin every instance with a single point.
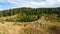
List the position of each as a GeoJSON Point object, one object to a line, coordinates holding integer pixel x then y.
{"type": "Point", "coordinates": [23, 18]}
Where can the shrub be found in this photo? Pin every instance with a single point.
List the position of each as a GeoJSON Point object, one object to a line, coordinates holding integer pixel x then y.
{"type": "Point", "coordinates": [26, 19]}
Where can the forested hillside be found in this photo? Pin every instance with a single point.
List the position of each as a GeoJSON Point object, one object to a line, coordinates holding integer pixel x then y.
{"type": "Point", "coordinates": [30, 21]}
{"type": "Point", "coordinates": [31, 14]}
{"type": "Point", "coordinates": [30, 11]}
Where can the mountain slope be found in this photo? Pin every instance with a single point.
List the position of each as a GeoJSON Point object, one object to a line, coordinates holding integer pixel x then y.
{"type": "Point", "coordinates": [31, 14]}
{"type": "Point", "coordinates": [30, 21]}
{"type": "Point", "coordinates": [30, 27]}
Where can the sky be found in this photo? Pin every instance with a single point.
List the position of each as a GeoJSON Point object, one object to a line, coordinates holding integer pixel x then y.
{"type": "Point", "coordinates": [7, 4]}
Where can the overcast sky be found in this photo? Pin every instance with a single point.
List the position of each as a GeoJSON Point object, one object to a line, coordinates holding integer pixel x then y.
{"type": "Point", "coordinates": [7, 4]}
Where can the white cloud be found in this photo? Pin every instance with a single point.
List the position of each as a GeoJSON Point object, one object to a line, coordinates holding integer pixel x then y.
{"type": "Point", "coordinates": [47, 3]}
{"type": "Point", "coordinates": [33, 3]}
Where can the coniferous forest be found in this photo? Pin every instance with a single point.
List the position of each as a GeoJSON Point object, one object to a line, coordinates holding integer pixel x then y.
{"type": "Point", "coordinates": [31, 14]}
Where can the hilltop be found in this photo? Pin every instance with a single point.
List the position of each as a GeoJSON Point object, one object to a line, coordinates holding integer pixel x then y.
{"type": "Point", "coordinates": [30, 14]}
{"type": "Point", "coordinates": [30, 21]}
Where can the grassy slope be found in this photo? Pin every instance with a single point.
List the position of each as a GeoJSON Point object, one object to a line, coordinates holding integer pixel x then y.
{"type": "Point", "coordinates": [48, 27]}
{"type": "Point", "coordinates": [28, 28]}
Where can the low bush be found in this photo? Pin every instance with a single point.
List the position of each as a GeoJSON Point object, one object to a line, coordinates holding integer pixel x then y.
{"type": "Point", "coordinates": [23, 18]}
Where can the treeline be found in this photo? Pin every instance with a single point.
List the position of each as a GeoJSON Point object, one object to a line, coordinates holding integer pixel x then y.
{"type": "Point", "coordinates": [30, 11]}
{"type": "Point", "coordinates": [31, 14]}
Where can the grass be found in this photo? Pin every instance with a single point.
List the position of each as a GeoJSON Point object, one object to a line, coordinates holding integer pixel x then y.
{"type": "Point", "coordinates": [26, 28]}
{"type": "Point", "coordinates": [32, 31]}
{"type": "Point", "coordinates": [3, 30]}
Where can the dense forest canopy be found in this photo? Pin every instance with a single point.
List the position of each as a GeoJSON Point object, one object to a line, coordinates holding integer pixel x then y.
{"type": "Point", "coordinates": [30, 12]}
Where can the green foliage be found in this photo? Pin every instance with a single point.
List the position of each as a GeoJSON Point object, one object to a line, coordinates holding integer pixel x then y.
{"type": "Point", "coordinates": [53, 17]}
{"type": "Point", "coordinates": [23, 18]}
{"type": "Point", "coordinates": [29, 12]}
